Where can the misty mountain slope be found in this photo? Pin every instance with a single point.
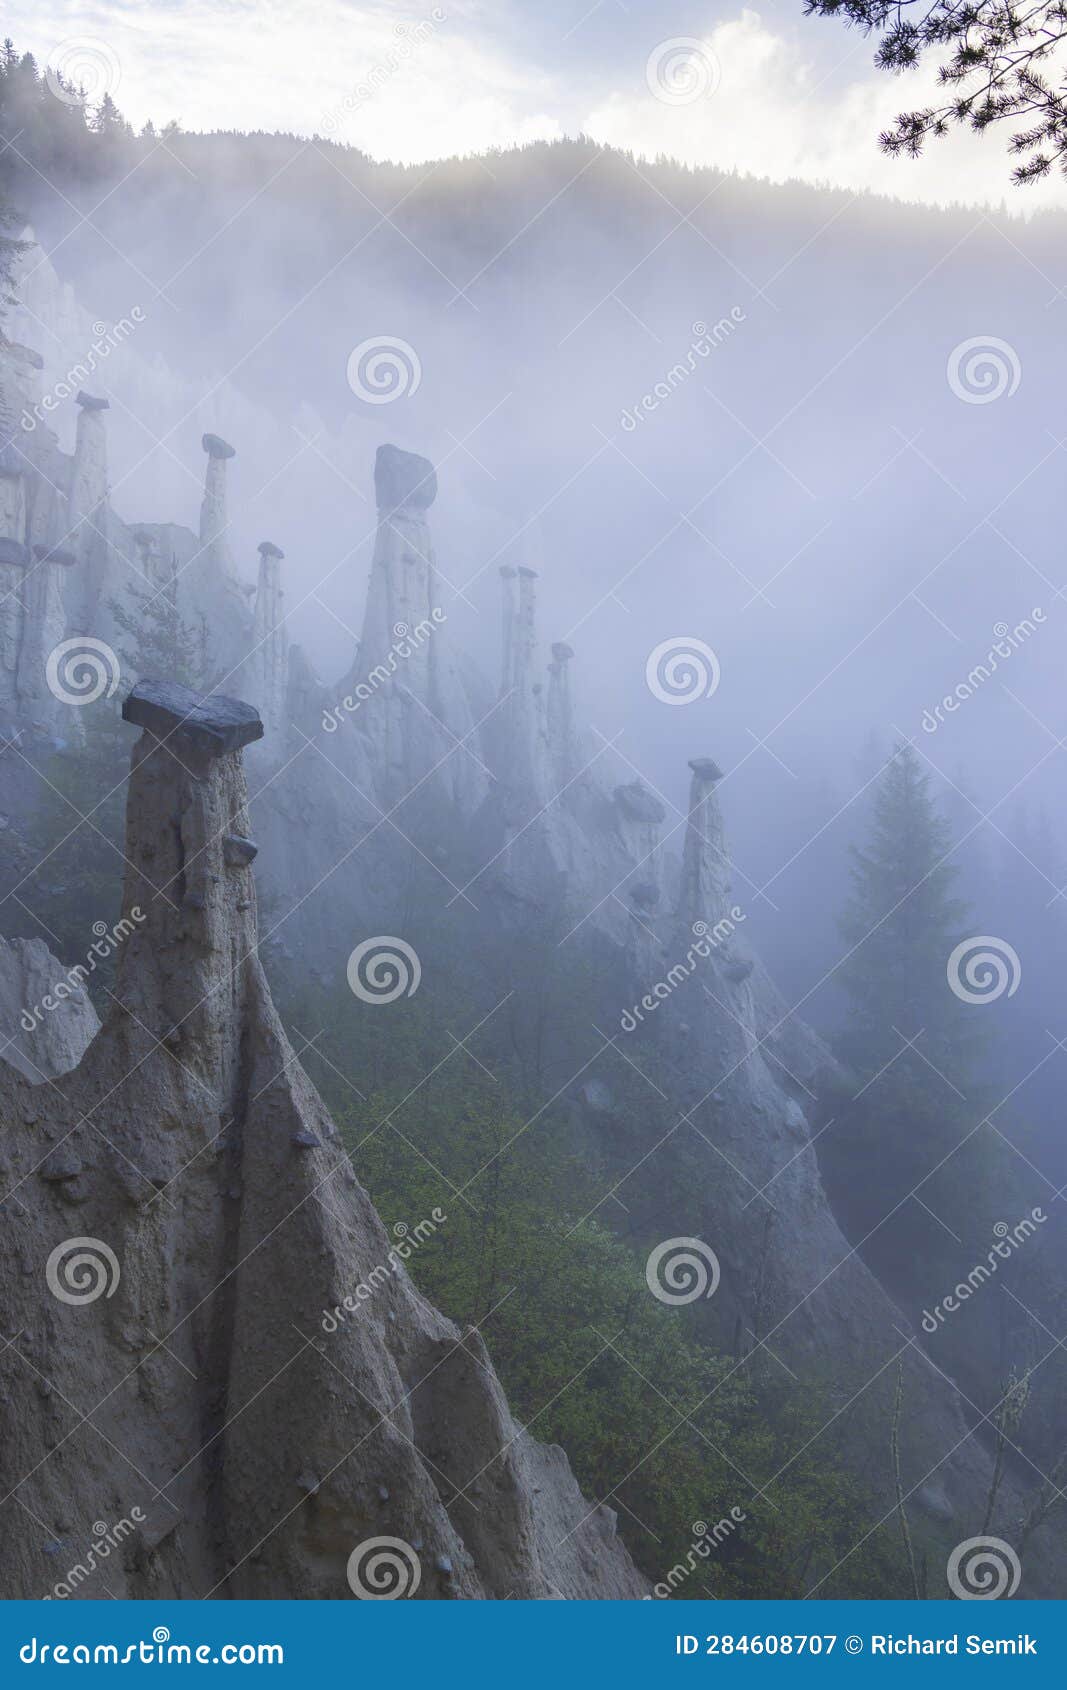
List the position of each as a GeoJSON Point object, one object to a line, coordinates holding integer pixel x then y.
{"type": "Point", "coordinates": [484, 854]}
{"type": "Point", "coordinates": [500, 835]}
{"type": "Point", "coordinates": [812, 498]}
{"type": "Point", "coordinates": [778, 467]}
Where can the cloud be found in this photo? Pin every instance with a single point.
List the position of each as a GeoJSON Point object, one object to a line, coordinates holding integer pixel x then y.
{"type": "Point", "coordinates": [457, 77]}
{"type": "Point", "coordinates": [743, 97]}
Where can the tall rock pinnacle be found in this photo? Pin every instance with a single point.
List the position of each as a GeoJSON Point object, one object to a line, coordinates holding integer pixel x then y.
{"type": "Point", "coordinates": [87, 513]}
{"type": "Point", "coordinates": [522, 713]}
{"type": "Point", "coordinates": [184, 1239]}
{"type": "Point", "coordinates": [705, 884]}
{"type": "Point", "coordinates": [214, 512]}
{"type": "Point", "coordinates": [267, 665]}
{"type": "Point", "coordinates": [209, 581]}
{"type": "Point", "coordinates": [412, 707]}
{"type": "Point", "coordinates": [559, 717]}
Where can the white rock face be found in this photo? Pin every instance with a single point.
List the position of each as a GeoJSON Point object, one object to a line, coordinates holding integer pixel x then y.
{"type": "Point", "coordinates": [87, 511]}
{"type": "Point", "coordinates": [47, 1019]}
{"type": "Point", "coordinates": [32, 527]}
{"type": "Point", "coordinates": [267, 665]}
{"type": "Point", "coordinates": [226, 1224]}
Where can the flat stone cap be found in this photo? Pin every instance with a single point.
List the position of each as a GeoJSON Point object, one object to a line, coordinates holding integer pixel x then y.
{"type": "Point", "coordinates": [216, 447]}
{"type": "Point", "coordinates": [54, 554]}
{"type": "Point", "coordinates": [212, 722]}
{"type": "Point", "coordinates": [89, 403]}
{"type": "Point", "coordinates": [705, 769]}
{"type": "Point", "coordinates": [403, 479]}
{"type": "Point", "coordinates": [530, 574]}
{"type": "Point", "coordinates": [562, 652]}
{"type": "Point", "coordinates": [267, 548]}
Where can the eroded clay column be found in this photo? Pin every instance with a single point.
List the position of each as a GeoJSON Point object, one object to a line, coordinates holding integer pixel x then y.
{"type": "Point", "coordinates": [705, 886]}
{"type": "Point", "coordinates": [214, 512]}
{"type": "Point", "coordinates": [87, 524]}
{"type": "Point", "coordinates": [269, 638]}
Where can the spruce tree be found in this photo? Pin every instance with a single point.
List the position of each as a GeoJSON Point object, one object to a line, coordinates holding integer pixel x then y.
{"type": "Point", "coordinates": [901, 923]}
{"type": "Point", "coordinates": [157, 640]}
{"type": "Point", "coordinates": [908, 1133]}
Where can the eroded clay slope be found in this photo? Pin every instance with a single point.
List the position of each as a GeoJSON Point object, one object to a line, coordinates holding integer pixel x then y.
{"type": "Point", "coordinates": [179, 1217]}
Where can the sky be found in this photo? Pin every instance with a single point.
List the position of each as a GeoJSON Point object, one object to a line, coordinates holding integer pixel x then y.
{"type": "Point", "coordinates": [769, 92]}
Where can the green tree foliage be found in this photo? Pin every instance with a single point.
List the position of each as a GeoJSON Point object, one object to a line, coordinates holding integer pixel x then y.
{"type": "Point", "coordinates": [155, 639]}
{"type": "Point", "coordinates": [997, 62]}
{"type": "Point", "coordinates": [664, 1429]}
{"type": "Point", "coordinates": [901, 923]}
{"type": "Point", "coordinates": [50, 133]}
{"type": "Point", "coordinates": [911, 1133]}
